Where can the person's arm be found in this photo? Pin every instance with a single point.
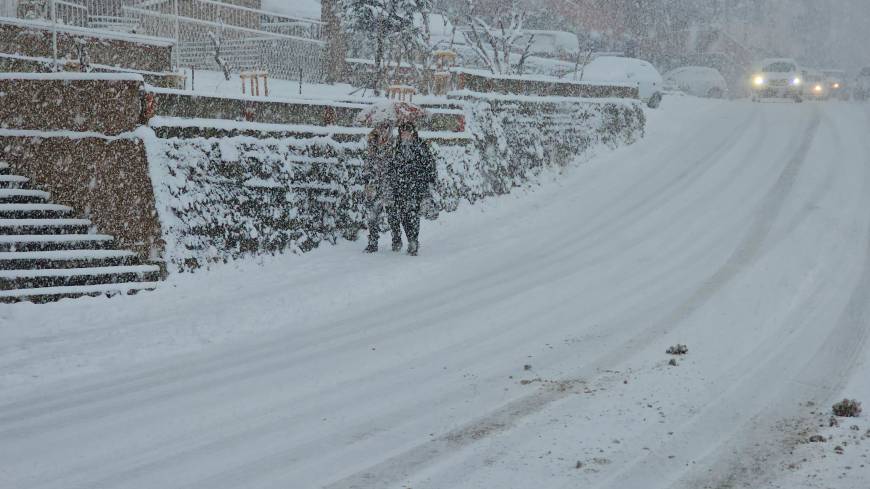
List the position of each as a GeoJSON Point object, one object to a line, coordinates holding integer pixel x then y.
{"type": "Point", "coordinates": [428, 162]}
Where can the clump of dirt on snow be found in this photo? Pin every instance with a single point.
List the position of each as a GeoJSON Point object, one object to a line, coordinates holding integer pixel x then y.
{"type": "Point", "coordinates": [678, 349]}
{"type": "Point", "coordinates": [847, 408]}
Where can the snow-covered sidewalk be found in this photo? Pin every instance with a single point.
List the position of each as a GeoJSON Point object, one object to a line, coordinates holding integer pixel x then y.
{"type": "Point", "coordinates": [525, 347]}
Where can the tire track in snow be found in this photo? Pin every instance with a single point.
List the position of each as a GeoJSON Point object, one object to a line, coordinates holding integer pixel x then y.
{"type": "Point", "coordinates": [748, 457]}
{"type": "Point", "coordinates": [398, 468]}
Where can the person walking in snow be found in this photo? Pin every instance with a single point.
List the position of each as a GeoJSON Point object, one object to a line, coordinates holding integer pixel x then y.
{"type": "Point", "coordinates": [378, 191]}
{"type": "Point", "coordinates": [410, 173]}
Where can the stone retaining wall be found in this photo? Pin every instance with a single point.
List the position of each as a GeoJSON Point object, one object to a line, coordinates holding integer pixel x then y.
{"type": "Point", "coordinates": [30, 39]}
{"type": "Point", "coordinates": [102, 103]}
{"type": "Point", "coordinates": [223, 194]}
{"type": "Point", "coordinates": [103, 179]}
{"type": "Point", "coordinates": [172, 103]}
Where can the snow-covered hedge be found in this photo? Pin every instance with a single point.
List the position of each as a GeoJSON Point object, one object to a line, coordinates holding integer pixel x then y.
{"type": "Point", "coordinates": [241, 193]}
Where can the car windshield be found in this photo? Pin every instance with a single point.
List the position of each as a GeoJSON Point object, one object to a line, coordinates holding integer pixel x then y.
{"type": "Point", "coordinates": [779, 68]}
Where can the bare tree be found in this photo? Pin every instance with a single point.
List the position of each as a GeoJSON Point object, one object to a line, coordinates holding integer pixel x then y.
{"type": "Point", "coordinates": [496, 45]}
{"type": "Point", "coordinates": [216, 44]}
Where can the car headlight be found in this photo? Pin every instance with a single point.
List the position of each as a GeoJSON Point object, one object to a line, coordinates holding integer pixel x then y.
{"type": "Point", "coordinates": [796, 81]}
{"type": "Point", "coordinates": [817, 88]}
{"type": "Point", "coordinates": [758, 81]}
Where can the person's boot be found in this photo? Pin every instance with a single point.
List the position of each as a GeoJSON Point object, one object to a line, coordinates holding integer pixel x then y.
{"type": "Point", "coordinates": [397, 243]}
{"type": "Point", "coordinates": [413, 248]}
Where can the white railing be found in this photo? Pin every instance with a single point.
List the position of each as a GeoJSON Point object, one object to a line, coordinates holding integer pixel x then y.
{"type": "Point", "coordinates": [286, 46]}
{"type": "Point", "coordinates": [249, 39]}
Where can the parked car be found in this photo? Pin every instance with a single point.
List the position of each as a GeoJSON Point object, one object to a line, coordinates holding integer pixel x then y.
{"type": "Point", "coordinates": [861, 88]}
{"type": "Point", "coordinates": [836, 83]}
{"type": "Point", "coordinates": [698, 81]}
{"type": "Point", "coordinates": [778, 78]}
{"type": "Point", "coordinates": [616, 69]}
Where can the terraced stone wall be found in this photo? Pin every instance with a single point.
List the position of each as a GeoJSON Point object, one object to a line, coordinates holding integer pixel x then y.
{"type": "Point", "coordinates": [228, 192]}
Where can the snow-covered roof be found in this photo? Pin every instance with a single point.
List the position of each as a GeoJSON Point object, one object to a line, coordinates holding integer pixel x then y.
{"type": "Point", "coordinates": [614, 68]}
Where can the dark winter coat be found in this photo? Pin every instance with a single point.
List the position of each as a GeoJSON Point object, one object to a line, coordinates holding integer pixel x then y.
{"type": "Point", "coordinates": [411, 170]}
{"type": "Point", "coordinates": [375, 164]}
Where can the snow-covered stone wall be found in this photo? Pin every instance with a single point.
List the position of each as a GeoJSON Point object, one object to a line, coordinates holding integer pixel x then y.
{"type": "Point", "coordinates": [246, 188]}
{"type": "Point", "coordinates": [111, 49]}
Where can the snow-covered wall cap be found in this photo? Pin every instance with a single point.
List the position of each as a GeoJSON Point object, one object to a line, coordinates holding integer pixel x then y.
{"type": "Point", "coordinates": [73, 76]}
{"type": "Point", "coordinates": [282, 100]}
{"type": "Point", "coordinates": [539, 78]}
{"type": "Point", "coordinates": [538, 99]}
{"type": "Point", "coordinates": [226, 124]}
{"type": "Point", "coordinates": [88, 31]}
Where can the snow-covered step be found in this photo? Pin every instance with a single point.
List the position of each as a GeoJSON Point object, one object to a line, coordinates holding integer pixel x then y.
{"type": "Point", "coordinates": [48, 259]}
{"type": "Point", "coordinates": [46, 253]}
{"type": "Point", "coordinates": [43, 222]}
{"type": "Point", "coordinates": [70, 272]}
{"type": "Point", "coordinates": [14, 195]}
{"type": "Point", "coordinates": [53, 293]}
{"type": "Point", "coordinates": [44, 226]}
{"type": "Point", "coordinates": [53, 238]}
{"type": "Point", "coordinates": [64, 255]}
{"type": "Point", "coordinates": [49, 242]}
{"type": "Point", "coordinates": [34, 211]}
{"type": "Point", "coordinates": [34, 207]}
{"type": "Point", "coordinates": [12, 181]}
{"type": "Point", "coordinates": [65, 277]}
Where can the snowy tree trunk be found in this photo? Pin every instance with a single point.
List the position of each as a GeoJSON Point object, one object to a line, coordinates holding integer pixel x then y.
{"type": "Point", "coordinates": [336, 48]}
{"type": "Point", "coordinates": [379, 58]}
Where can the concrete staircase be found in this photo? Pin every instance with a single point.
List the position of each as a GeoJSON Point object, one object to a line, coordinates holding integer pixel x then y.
{"type": "Point", "coordinates": [47, 254]}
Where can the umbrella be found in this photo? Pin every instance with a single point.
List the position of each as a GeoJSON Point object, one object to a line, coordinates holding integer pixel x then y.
{"type": "Point", "coordinates": [390, 112]}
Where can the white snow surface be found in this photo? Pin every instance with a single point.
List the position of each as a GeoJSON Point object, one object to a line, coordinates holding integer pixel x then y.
{"type": "Point", "coordinates": [738, 229]}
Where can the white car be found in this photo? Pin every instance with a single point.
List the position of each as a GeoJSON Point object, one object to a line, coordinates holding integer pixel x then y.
{"type": "Point", "coordinates": [778, 78]}
{"type": "Point", "coordinates": [615, 69]}
{"type": "Point", "coordinates": [816, 84]}
{"type": "Point", "coordinates": [698, 81]}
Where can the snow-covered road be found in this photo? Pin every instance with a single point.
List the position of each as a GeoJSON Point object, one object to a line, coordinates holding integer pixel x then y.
{"type": "Point", "coordinates": [524, 348]}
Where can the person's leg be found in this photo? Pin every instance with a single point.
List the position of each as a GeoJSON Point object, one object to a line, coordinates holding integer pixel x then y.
{"type": "Point", "coordinates": [375, 209]}
{"type": "Point", "coordinates": [411, 222]}
{"type": "Point", "coordinates": [395, 221]}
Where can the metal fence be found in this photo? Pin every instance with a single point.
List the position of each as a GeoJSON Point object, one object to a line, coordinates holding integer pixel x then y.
{"type": "Point", "coordinates": [285, 46]}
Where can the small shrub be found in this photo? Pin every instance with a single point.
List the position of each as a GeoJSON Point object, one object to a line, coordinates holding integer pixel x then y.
{"type": "Point", "coordinates": [678, 349]}
{"type": "Point", "coordinates": [847, 408]}
{"type": "Point", "coordinates": [817, 439]}
{"type": "Point", "coordinates": [673, 362]}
